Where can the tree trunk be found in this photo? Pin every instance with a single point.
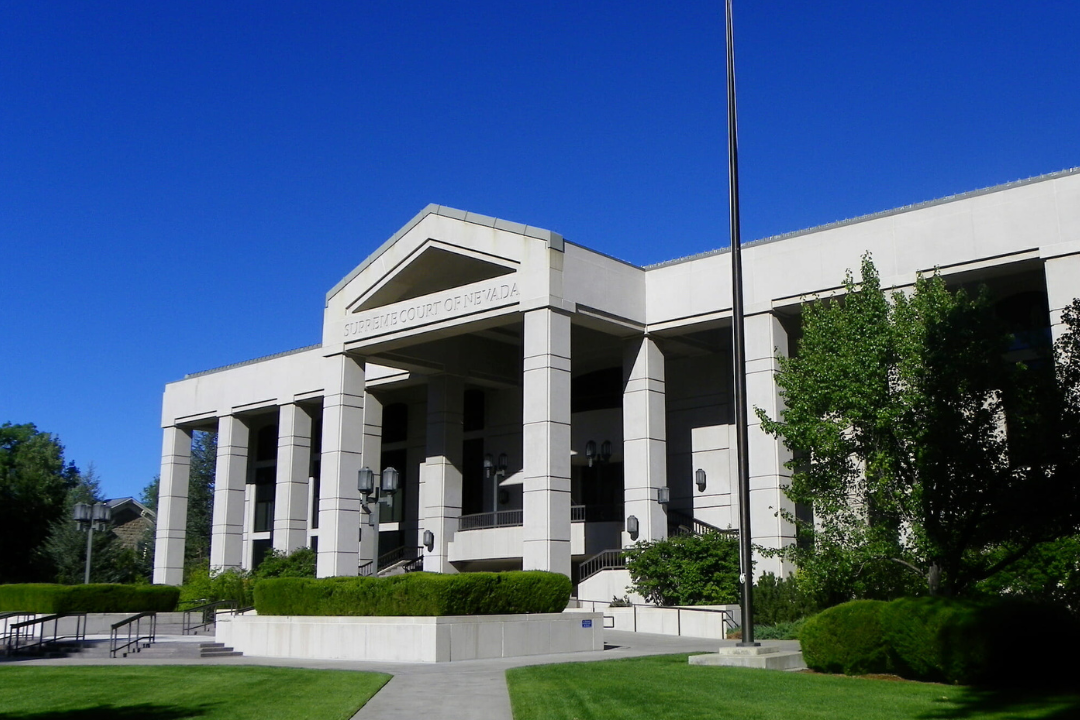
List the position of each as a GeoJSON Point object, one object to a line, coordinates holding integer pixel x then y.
{"type": "Point", "coordinates": [934, 579]}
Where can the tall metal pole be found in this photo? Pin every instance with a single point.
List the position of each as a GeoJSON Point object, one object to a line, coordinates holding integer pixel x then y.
{"type": "Point", "coordinates": [89, 550]}
{"type": "Point", "coordinates": [738, 331]}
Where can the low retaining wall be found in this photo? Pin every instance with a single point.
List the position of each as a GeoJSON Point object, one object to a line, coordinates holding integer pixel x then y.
{"type": "Point", "coordinates": [412, 639]}
{"type": "Point", "coordinates": [689, 621]}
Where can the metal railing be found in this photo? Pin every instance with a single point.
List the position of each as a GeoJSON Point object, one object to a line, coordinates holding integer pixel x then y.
{"type": "Point", "coordinates": [481, 521]}
{"type": "Point", "coordinates": [577, 513]}
{"type": "Point", "coordinates": [605, 560]}
{"type": "Point", "coordinates": [207, 615]}
{"type": "Point", "coordinates": [679, 523]}
{"type": "Point", "coordinates": [135, 635]}
{"type": "Point", "coordinates": [406, 553]}
{"type": "Point", "coordinates": [727, 619]}
{"type": "Point", "coordinates": [366, 569]}
{"type": "Point", "coordinates": [31, 634]}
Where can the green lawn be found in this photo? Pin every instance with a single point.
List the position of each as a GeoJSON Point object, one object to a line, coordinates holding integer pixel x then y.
{"type": "Point", "coordinates": [174, 692]}
{"type": "Point", "coordinates": [657, 688]}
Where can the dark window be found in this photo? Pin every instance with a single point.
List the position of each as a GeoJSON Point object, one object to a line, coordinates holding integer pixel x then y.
{"type": "Point", "coordinates": [474, 410]}
{"type": "Point", "coordinates": [315, 502]}
{"type": "Point", "coordinates": [472, 477]}
{"type": "Point", "coordinates": [266, 445]}
{"type": "Point", "coordinates": [395, 423]}
{"type": "Point", "coordinates": [315, 544]}
{"type": "Point", "coordinates": [599, 390]}
{"type": "Point", "coordinates": [264, 498]}
{"type": "Point", "coordinates": [259, 550]}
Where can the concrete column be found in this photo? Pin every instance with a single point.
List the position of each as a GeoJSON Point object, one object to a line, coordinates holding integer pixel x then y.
{"type": "Point", "coordinates": [342, 447]}
{"type": "Point", "coordinates": [291, 491]}
{"type": "Point", "coordinates": [765, 337]}
{"type": "Point", "coordinates": [230, 478]}
{"type": "Point", "coordinates": [372, 456]}
{"type": "Point", "coordinates": [442, 468]}
{"type": "Point", "coordinates": [644, 437]}
{"type": "Point", "coordinates": [172, 507]}
{"type": "Point", "coordinates": [1062, 286]}
{"type": "Point", "coordinates": [546, 441]}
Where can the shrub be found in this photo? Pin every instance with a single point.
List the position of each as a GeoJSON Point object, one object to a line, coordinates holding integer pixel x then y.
{"type": "Point", "coordinates": [781, 600]}
{"type": "Point", "coordinates": [686, 570]}
{"type": "Point", "coordinates": [298, 563]}
{"type": "Point", "coordinates": [847, 638]}
{"type": "Point", "coordinates": [98, 598]}
{"type": "Point", "coordinates": [973, 642]}
{"type": "Point", "coordinates": [202, 585]}
{"type": "Point", "coordinates": [416, 594]}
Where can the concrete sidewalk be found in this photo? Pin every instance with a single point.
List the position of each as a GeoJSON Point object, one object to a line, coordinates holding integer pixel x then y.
{"type": "Point", "coordinates": [467, 690]}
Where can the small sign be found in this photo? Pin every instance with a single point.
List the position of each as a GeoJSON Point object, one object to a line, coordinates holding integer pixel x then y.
{"type": "Point", "coordinates": [586, 623]}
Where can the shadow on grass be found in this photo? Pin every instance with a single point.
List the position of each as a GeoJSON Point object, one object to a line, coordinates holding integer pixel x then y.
{"type": "Point", "coordinates": [146, 711]}
{"type": "Point", "coordinates": [1035, 704]}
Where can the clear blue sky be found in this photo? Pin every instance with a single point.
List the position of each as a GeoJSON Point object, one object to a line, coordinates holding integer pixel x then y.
{"type": "Point", "coordinates": [181, 182]}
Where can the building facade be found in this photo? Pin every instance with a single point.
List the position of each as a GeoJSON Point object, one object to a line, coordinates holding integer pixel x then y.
{"type": "Point", "coordinates": [534, 395]}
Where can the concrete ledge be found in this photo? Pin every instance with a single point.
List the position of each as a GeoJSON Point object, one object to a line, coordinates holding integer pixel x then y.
{"type": "Point", "coordinates": [767, 657]}
{"type": "Point", "coordinates": [412, 639]}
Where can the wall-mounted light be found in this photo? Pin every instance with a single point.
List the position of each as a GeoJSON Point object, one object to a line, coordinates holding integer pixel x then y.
{"type": "Point", "coordinates": [365, 482]}
{"type": "Point", "coordinates": [663, 495]}
{"type": "Point", "coordinates": [429, 540]}
{"type": "Point", "coordinates": [632, 527]}
{"type": "Point", "coordinates": [602, 457]}
{"type": "Point", "coordinates": [391, 479]}
{"type": "Point", "coordinates": [699, 478]}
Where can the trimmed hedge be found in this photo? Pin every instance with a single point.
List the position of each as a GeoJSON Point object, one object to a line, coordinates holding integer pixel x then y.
{"type": "Point", "coordinates": [976, 642]}
{"type": "Point", "coordinates": [965, 642]}
{"type": "Point", "coordinates": [47, 598]}
{"type": "Point", "coordinates": [847, 639]}
{"type": "Point", "coordinates": [420, 593]}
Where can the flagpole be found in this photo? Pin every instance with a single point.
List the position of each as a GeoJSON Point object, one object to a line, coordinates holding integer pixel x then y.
{"type": "Point", "coordinates": [739, 335]}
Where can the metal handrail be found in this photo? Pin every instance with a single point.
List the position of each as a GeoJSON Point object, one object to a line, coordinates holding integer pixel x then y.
{"type": "Point", "coordinates": [577, 513]}
{"type": "Point", "coordinates": [727, 619]}
{"type": "Point", "coordinates": [501, 518]}
{"type": "Point", "coordinates": [366, 569]}
{"type": "Point", "coordinates": [688, 525]}
{"type": "Point", "coordinates": [208, 615]}
{"type": "Point", "coordinates": [604, 560]}
{"type": "Point", "coordinates": [135, 622]}
{"type": "Point", "coordinates": [36, 628]}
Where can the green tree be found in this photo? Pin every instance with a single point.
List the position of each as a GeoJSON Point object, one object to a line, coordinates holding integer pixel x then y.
{"type": "Point", "coordinates": [686, 570]}
{"type": "Point", "coordinates": [200, 498]}
{"type": "Point", "coordinates": [922, 451]}
{"type": "Point", "coordinates": [34, 481]}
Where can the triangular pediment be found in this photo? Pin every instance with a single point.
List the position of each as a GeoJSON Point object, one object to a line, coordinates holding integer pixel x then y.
{"type": "Point", "coordinates": [432, 268]}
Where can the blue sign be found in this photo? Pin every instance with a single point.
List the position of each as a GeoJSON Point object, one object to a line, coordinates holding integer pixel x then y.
{"type": "Point", "coordinates": [586, 623]}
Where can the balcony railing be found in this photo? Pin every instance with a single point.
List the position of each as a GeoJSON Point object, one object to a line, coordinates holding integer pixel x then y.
{"type": "Point", "coordinates": [482, 521]}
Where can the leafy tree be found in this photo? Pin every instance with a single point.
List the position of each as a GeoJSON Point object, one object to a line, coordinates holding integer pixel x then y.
{"type": "Point", "coordinates": [929, 461]}
{"type": "Point", "coordinates": [298, 563]}
{"type": "Point", "coordinates": [686, 570]}
{"type": "Point", "coordinates": [200, 498]}
{"type": "Point", "coordinates": [34, 481]}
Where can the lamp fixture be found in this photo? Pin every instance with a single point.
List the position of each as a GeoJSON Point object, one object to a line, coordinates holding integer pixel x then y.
{"type": "Point", "coordinates": [600, 457]}
{"type": "Point", "coordinates": [590, 451]}
{"type": "Point", "coordinates": [429, 540]}
{"type": "Point", "coordinates": [699, 478]}
{"type": "Point", "coordinates": [91, 518]}
{"type": "Point", "coordinates": [389, 483]}
{"type": "Point", "coordinates": [663, 495]}
{"type": "Point", "coordinates": [632, 526]}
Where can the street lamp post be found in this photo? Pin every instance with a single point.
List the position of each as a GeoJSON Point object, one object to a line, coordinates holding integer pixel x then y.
{"type": "Point", "coordinates": [389, 480]}
{"type": "Point", "coordinates": [91, 518]}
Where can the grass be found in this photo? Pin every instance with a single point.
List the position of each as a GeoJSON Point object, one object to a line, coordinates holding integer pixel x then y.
{"type": "Point", "coordinates": [174, 692]}
{"type": "Point", "coordinates": [668, 687]}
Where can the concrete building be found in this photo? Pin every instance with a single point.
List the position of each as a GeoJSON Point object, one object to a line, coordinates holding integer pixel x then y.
{"type": "Point", "coordinates": [534, 394]}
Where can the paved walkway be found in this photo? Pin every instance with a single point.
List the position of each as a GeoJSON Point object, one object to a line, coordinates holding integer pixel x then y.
{"type": "Point", "coordinates": [437, 691]}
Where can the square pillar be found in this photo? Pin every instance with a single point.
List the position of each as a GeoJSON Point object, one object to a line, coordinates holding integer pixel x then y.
{"type": "Point", "coordinates": [342, 448]}
{"type": "Point", "coordinates": [372, 457]}
{"type": "Point", "coordinates": [291, 491]}
{"type": "Point", "coordinates": [230, 479]}
{"type": "Point", "coordinates": [441, 470]}
{"type": "Point", "coordinates": [171, 531]}
{"type": "Point", "coordinates": [644, 438]}
{"type": "Point", "coordinates": [765, 337]}
{"type": "Point", "coordinates": [546, 441]}
{"type": "Point", "coordinates": [1062, 285]}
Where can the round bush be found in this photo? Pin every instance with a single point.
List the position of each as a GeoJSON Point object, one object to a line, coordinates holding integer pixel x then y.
{"type": "Point", "coordinates": [847, 639]}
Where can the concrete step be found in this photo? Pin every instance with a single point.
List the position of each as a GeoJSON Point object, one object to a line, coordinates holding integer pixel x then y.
{"type": "Point", "coordinates": [765, 657]}
{"type": "Point", "coordinates": [212, 650]}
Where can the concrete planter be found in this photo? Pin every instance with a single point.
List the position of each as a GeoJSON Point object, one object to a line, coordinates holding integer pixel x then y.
{"type": "Point", "coordinates": [412, 639]}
